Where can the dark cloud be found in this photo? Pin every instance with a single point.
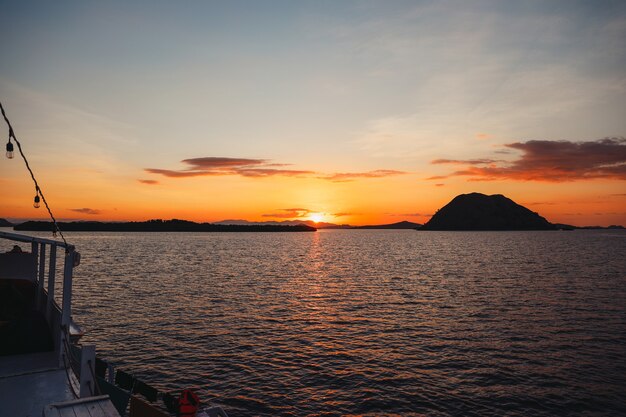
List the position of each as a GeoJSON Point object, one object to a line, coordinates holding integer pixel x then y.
{"type": "Point", "coordinates": [289, 213]}
{"type": "Point", "coordinates": [552, 161]}
{"type": "Point", "coordinates": [349, 176]}
{"type": "Point", "coordinates": [439, 185]}
{"type": "Point", "coordinates": [211, 166]}
{"type": "Point", "coordinates": [255, 168]}
{"type": "Point", "coordinates": [86, 211]}
{"type": "Point", "coordinates": [149, 182]}
{"type": "Point", "coordinates": [213, 162]}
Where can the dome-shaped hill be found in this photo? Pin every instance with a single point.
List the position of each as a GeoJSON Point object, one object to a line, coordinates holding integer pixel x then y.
{"type": "Point", "coordinates": [477, 211]}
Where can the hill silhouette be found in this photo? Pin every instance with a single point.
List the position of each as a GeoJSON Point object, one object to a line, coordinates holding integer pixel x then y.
{"type": "Point", "coordinates": [399, 225]}
{"type": "Point", "coordinates": [477, 211]}
{"type": "Point", "coordinates": [5, 223]}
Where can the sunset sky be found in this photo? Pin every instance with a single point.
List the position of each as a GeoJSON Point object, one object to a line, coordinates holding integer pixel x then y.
{"type": "Point", "coordinates": [353, 112]}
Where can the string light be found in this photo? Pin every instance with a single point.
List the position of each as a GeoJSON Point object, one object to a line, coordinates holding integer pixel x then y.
{"type": "Point", "coordinates": [9, 148]}
{"type": "Point", "coordinates": [39, 194]}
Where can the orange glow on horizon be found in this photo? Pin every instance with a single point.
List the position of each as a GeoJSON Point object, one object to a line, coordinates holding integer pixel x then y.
{"type": "Point", "coordinates": [108, 197]}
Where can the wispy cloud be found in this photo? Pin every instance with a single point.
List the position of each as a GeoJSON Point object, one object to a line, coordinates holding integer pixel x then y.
{"type": "Point", "coordinates": [149, 182]}
{"type": "Point", "coordinates": [349, 176]}
{"type": "Point", "coordinates": [412, 215]}
{"type": "Point", "coordinates": [466, 161]}
{"type": "Point", "coordinates": [258, 168]}
{"type": "Point", "coordinates": [550, 161]}
{"type": "Point", "coordinates": [289, 213]}
{"type": "Point", "coordinates": [212, 162]}
{"type": "Point", "coordinates": [86, 210]}
{"type": "Point", "coordinates": [211, 166]}
{"type": "Point", "coordinates": [344, 214]}
{"type": "Point", "coordinates": [182, 174]}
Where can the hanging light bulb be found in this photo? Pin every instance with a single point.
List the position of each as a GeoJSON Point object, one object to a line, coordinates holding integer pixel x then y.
{"type": "Point", "coordinates": [36, 202]}
{"type": "Point", "coordinates": [9, 149]}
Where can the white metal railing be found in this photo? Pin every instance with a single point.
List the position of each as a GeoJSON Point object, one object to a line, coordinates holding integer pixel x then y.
{"type": "Point", "coordinates": [58, 317]}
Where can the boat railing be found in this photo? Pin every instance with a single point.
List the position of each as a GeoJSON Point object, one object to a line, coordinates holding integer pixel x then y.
{"type": "Point", "coordinates": [40, 267]}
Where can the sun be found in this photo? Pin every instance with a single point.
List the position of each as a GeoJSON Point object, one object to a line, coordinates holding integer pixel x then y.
{"type": "Point", "coordinates": [316, 217]}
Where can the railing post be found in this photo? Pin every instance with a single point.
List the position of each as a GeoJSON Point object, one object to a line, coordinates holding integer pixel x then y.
{"type": "Point", "coordinates": [34, 249]}
{"type": "Point", "coordinates": [67, 288]}
{"type": "Point", "coordinates": [40, 281]}
{"type": "Point", "coordinates": [87, 371]}
{"type": "Point", "coordinates": [51, 275]}
{"type": "Point", "coordinates": [66, 309]}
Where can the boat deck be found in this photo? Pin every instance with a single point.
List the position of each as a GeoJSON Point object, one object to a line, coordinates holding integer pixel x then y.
{"type": "Point", "coordinates": [85, 407]}
{"type": "Point", "coordinates": [30, 382]}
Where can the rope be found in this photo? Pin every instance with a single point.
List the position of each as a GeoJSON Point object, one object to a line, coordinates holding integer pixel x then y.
{"type": "Point", "coordinates": [32, 175]}
{"type": "Point", "coordinates": [65, 358]}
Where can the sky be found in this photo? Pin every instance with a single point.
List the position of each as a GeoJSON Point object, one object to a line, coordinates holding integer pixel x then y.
{"type": "Point", "coordinates": [357, 112]}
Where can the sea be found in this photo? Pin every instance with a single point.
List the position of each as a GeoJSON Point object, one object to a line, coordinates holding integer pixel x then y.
{"type": "Point", "coordinates": [364, 322]}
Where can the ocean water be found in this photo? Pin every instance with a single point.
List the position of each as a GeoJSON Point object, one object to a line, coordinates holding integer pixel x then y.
{"type": "Point", "coordinates": [365, 322]}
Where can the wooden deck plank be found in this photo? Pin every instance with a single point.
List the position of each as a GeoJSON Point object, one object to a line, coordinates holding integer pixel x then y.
{"type": "Point", "coordinates": [99, 406]}
{"type": "Point", "coordinates": [108, 408]}
{"type": "Point", "coordinates": [26, 395]}
{"type": "Point", "coordinates": [51, 411]}
{"type": "Point", "coordinates": [95, 410]}
{"type": "Point", "coordinates": [68, 412]}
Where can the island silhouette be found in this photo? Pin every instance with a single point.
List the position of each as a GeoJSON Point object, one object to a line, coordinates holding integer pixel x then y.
{"type": "Point", "coordinates": [476, 211]}
{"type": "Point", "coordinates": [5, 223]}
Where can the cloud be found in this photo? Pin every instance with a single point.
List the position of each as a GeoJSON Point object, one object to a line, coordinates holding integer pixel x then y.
{"type": "Point", "coordinates": [344, 214]}
{"type": "Point", "coordinates": [149, 182]}
{"type": "Point", "coordinates": [256, 168]}
{"type": "Point", "coordinates": [268, 172]}
{"type": "Point", "coordinates": [540, 203]}
{"type": "Point", "coordinates": [466, 162]}
{"type": "Point", "coordinates": [212, 162]}
{"type": "Point", "coordinates": [551, 161]}
{"type": "Point", "coordinates": [405, 215]}
{"type": "Point", "coordinates": [289, 213]}
{"type": "Point", "coordinates": [349, 176]}
{"type": "Point", "coordinates": [86, 210]}
{"type": "Point", "coordinates": [181, 174]}
{"type": "Point", "coordinates": [212, 166]}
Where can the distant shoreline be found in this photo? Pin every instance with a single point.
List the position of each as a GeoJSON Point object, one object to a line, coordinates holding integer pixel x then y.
{"type": "Point", "coordinates": [157, 226]}
{"type": "Point", "coordinates": [176, 225]}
